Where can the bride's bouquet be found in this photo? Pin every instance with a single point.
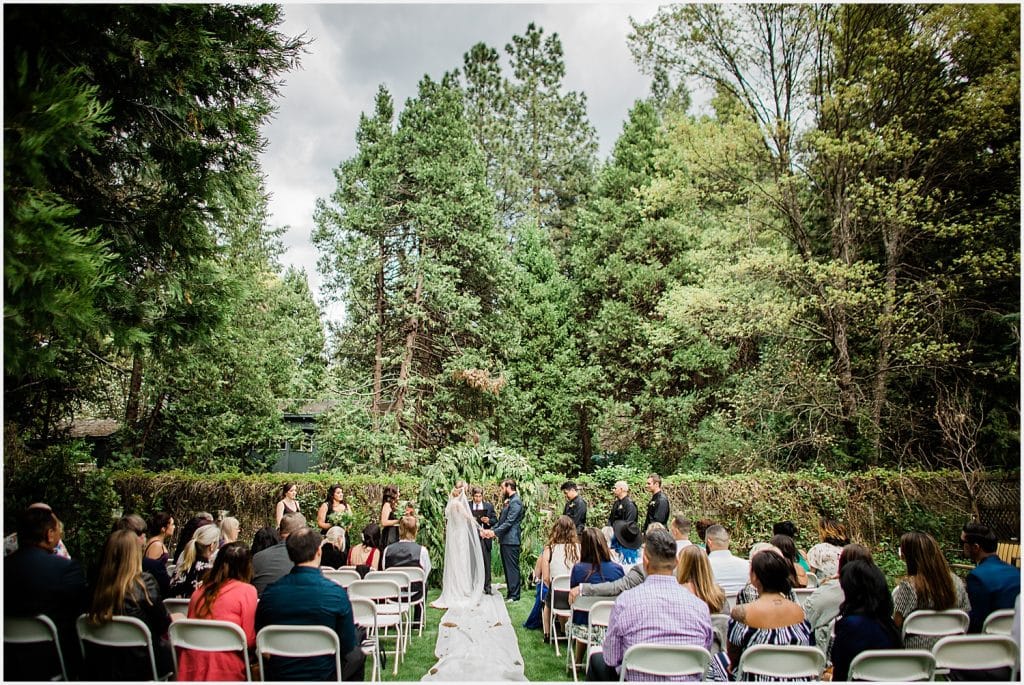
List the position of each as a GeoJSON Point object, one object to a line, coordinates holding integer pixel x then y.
{"type": "Point", "coordinates": [340, 518]}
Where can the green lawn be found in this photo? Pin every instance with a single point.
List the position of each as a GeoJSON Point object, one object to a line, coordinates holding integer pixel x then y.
{"type": "Point", "coordinates": [540, 661]}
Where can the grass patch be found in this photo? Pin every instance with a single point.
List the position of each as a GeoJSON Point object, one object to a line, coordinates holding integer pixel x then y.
{"type": "Point", "coordinates": [539, 659]}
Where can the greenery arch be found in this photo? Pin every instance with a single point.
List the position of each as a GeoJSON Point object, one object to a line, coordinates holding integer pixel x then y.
{"type": "Point", "coordinates": [486, 466]}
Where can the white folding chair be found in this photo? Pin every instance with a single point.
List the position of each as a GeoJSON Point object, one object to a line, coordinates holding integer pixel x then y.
{"type": "Point", "coordinates": [664, 660]}
{"type": "Point", "coordinates": [364, 613]}
{"type": "Point", "coordinates": [417, 575]}
{"type": "Point", "coordinates": [930, 623]}
{"type": "Point", "coordinates": [119, 631]}
{"type": "Point", "coordinates": [802, 593]}
{"type": "Point", "coordinates": [781, 661]}
{"type": "Point", "coordinates": [386, 594]}
{"type": "Point", "coordinates": [401, 576]}
{"type": "Point", "coordinates": [176, 605]}
{"type": "Point", "coordinates": [583, 604]}
{"type": "Point", "coordinates": [999, 622]}
{"type": "Point", "coordinates": [719, 632]}
{"type": "Point", "coordinates": [976, 652]}
{"type": "Point", "coordinates": [893, 666]}
{"type": "Point", "coordinates": [599, 614]}
{"type": "Point", "coordinates": [297, 642]}
{"type": "Point", "coordinates": [558, 607]}
{"type": "Point", "coordinates": [205, 635]}
{"type": "Point", "coordinates": [23, 630]}
{"type": "Point", "coordinates": [342, 576]}
{"type": "Point", "coordinates": [812, 580]}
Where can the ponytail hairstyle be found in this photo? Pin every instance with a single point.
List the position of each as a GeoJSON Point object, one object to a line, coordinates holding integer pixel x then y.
{"type": "Point", "coordinates": [205, 540]}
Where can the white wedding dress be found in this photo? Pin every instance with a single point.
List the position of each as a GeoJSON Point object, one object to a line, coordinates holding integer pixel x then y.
{"type": "Point", "coordinates": [475, 640]}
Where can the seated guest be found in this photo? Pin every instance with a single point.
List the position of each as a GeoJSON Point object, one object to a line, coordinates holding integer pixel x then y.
{"type": "Point", "coordinates": [701, 526]}
{"type": "Point", "coordinates": [557, 559]}
{"type": "Point", "coordinates": [189, 530]}
{"type": "Point", "coordinates": [749, 592]}
{"type": "Point", "coordinates": [822, 606]}
{"type": "Point", "coordinates": [408, 553]}
{"type": "Point", "coordinates": [225, 596]}
{"type": "Point", "coordinates": [865, 616]}
{"type": "Point", "coordinates": [229, 529]}
{"type": "Point", "coordinates": [154, 560]}
{"type": "Point", "coordinates": [195, 561]}
{"type": "Point", "coordinates": [124, 589]}
{"type": "Point", "coordinates": [823, 558]}
{"type": "Point", "coordinates": [659, 611]}
{"type": "Point", "coordinates": [275, 562]}
{"type": "Point", "coordinates": [11, 541]}
{"type": "Point", "coordinates": [730, 572]}
{"type": "Point", "coordinates": [303, 597]}
{"type": "Point", "coordinates": [680, 530]}
{"type": "Point", "coordinates": [38, 581]}
{"type": "Point", "coordinates": [693, 571]}
{"type": "Point", "coordinates": [265, 537]}
{"type": "Point", "coordinates": [334, 542]}
{"type": "Point", "coordinates": [367, 552]}
{"type": "Point", "coordinates": [595, 566]}
{"type": "Point", "coordinates": [993, 584]}
{"type": "Point", "coordinates": [771, 619]}
{"type": "Point", "coordinates": [789, 528]}
{"type": "Point", "coordinates": [787, 547]}
{"type": "Point", "coordinates": [929, 584]}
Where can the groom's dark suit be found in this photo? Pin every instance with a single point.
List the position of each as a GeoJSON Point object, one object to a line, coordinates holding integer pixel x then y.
{"type": "Point", "coordinates": [485, 508]}
{"type": "Point", "coordinates": [509, 533]}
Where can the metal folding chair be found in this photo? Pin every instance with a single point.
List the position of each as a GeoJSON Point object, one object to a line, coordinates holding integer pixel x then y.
{"type": "Point", "coordinates": [558, 606]}
{"type": "Point", "coordinates": [999, 622]}
{"type": "Point", "coordinates": [386, 594]}
{"type": "Point", "coordinates": [342, 576]}
{"type": "Point", "coordinates": [665, 660]}
{"type": "Point", "coordinates": [297, 642]}
{"type": "Point", "coordinates": [976, 652]}
{"type": "Point", "coordinates": [119, 631]}
{"type": "Point", "coordinates": [364, 613]}
{"type": "Point", "coordinates": [893, 665]}
{"type": "Point", "coordinates": [23, 630]}
{"type": "Point", "coordinates": [205, 635]}
{"type": "Point", "coordinates": [782, 661]}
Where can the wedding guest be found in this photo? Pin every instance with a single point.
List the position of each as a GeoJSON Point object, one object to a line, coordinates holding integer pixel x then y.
{"type": "Point", "coordinates": [227, 595]}
{"type": "Point", "coordinates": [992, 584]}
{"type": "Point", "coordinates": [407, 552]}
{"type": "Point", "coordinates": [229, 530]}
{"type": "Point", "coordinates": [787, 547]}
{"type": "Point", "coordinates": [929, 584]}
{"type": "Point", "coordinates": [730, 572]}
{"type": "Point", "coordinates": [658, 611]}
{"type": "Point", "coordinates": [134, 523]}
{"type": "Point", "coordinates": [680, 530]}
{"type": "Point", "coordinates": [367, 552]}
{"type": "Point", "coordinates": [557, 559]}
{"type": "Point", "coordinates": [575, 506]}
{"type": "Point", "coordinates": [388, 516]}
{"type": "Point", "coordinates": [11, 541]}
{"type": "Point", "coordinates": [789, 528]}
{"type": "Point", "coordinates": [331, 554]}
{"type": "Point", "coordinates": [334, 503]}
{"type": "Point", "coordinates": [822, 607]}
{"type": "Point", "coordinates": [188, 531]}
{"type": "Point", "coordinates": [273, 562]}
{"type": "Point", "coordinates": [124, 589]}
{"type": "Point", "coordinates": [823, 558]}
{"type": "Point", "coordinates": [701, 526]}
{"type": "Point", "coordinates": [265, 537]}
{"type": "Point", "coordinates": [287, 504]}
{"type": "Point", "coordinates": [161, 529]}
{"type": "Point", "coordinates": [693, 571]}
{"type": "Point", "coordinates": [196, 561]}
{"type": "Point", "coordinates": [865, 616]}
{"type": "Point", "coordinates": [595, 566]}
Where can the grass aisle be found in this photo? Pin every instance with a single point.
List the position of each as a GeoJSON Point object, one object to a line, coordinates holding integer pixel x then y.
{"type": "Point", "coordinates": [540, 661]}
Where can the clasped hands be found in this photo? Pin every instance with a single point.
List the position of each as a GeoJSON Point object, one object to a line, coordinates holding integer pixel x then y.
{"type": "Point", "coordinates": [487, 534]}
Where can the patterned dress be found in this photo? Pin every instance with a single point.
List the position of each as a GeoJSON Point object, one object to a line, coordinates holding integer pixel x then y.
{"type": "Point", "coordinates": [744, 636]}
{"type": "Point", "coordinates": [904, 599]}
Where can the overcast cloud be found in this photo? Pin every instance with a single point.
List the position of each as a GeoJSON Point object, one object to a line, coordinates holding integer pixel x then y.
{"type": "Point", "coordinates": [356, 48]}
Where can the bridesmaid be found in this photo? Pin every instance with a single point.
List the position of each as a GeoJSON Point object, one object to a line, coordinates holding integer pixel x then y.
{"type": "Point", "coordinates": [389, 516]}
{"type": "Point", "coordinates": [287, 503]}
{"type": "Point", "coordinates": [334, 503]}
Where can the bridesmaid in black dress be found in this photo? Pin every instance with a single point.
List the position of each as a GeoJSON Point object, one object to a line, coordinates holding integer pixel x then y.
{"type": "Point", "coordinates": [389, 516]}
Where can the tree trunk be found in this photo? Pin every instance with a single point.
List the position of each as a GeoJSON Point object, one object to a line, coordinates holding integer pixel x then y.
{"type": "Point", "coordinates": [131, 412]}
{"type": "Point", "coordinates": [378, 360]}
{"type": "Point", "coordinates": [586, 444]}
{"type": "Point", "coordinates": [413, 325]}
{"type": "Point", "coordinates": [885, 328]}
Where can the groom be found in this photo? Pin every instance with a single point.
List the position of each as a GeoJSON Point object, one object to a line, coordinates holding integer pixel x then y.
{"type": "Point", "coordinates": [508, 533]}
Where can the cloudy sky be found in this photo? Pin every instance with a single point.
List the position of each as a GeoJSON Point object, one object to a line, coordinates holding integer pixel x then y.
{"type": "Point", "coordinates": [357, 47]}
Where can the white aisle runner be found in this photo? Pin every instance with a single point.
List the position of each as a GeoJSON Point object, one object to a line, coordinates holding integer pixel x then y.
{"type": "Point", "coordinates": [477, 644]}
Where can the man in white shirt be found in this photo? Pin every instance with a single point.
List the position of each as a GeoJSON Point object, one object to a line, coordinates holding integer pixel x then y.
{"type": "Point", "coordinates": [732, 573]}
{"type": "Point", "coordinates": [680, 530]}
{"type": "Point", "coordinates": [407, 552]}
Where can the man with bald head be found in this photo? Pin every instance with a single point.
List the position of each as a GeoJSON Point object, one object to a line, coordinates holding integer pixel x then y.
{"type": "Point", "coordinates": [623, 509]}
{"type": "Point", "coordinates": [273, 563]}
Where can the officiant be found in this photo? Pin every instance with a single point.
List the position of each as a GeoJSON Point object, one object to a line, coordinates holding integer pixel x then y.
{"type": "Point", "coordinates": [486, 516]}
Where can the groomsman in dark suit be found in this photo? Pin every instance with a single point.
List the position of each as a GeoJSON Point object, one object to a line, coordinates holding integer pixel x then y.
{"type": "Point", "coordinates": [575, 506]}
{"type": "Point", "coordinates": [658, 507]}
{"type": "Point", "coordinates": [487, 517]}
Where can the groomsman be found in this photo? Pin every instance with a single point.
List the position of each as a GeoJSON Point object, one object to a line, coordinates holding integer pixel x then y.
{"type": "Point", "coordinates": [575, 506]}
{"type": "Point", "coordinates": [508, 531]}
{"type": "Point", "coordinates": [487, 517]}
{"type": "Point", "coordinates": [658, 507]}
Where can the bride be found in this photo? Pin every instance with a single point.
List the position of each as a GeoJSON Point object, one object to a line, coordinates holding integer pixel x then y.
{"type": "Point", "coordinates": [463, 581]}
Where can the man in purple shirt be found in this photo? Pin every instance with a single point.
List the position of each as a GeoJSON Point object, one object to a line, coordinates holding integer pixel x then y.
{"type": "Point", "coordinates": [659, 611]}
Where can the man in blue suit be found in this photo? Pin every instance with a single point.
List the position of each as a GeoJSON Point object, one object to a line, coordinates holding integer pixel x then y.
{"type": "Point", "coordinates": [508, 530]}
{"type": "Point", "coordinates": [993, 584]}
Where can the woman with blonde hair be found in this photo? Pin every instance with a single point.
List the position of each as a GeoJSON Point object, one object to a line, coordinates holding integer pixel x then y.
{"type": "Point", "coordinates": [196, 560]}
{"type": "Point", "coordinates": [227, 595]}
{"type": "Point", "coordinates": [693, 571]}
{"type": "Point", "coordinates": [229, 529]}
{"type": "Point", "coordinates": [124, 589]}
{"type": "Point", "coordinates": [331, 554]}
{"type": "Point", "coordinates": [929, 584]}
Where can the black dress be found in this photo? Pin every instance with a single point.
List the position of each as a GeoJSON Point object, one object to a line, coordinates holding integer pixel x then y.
{"type": "Point", "coordinates": [389, 534]}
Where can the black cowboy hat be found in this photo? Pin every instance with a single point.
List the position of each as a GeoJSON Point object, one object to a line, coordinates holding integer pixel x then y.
{"type": "Point", "coordinates": [627, 533]}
